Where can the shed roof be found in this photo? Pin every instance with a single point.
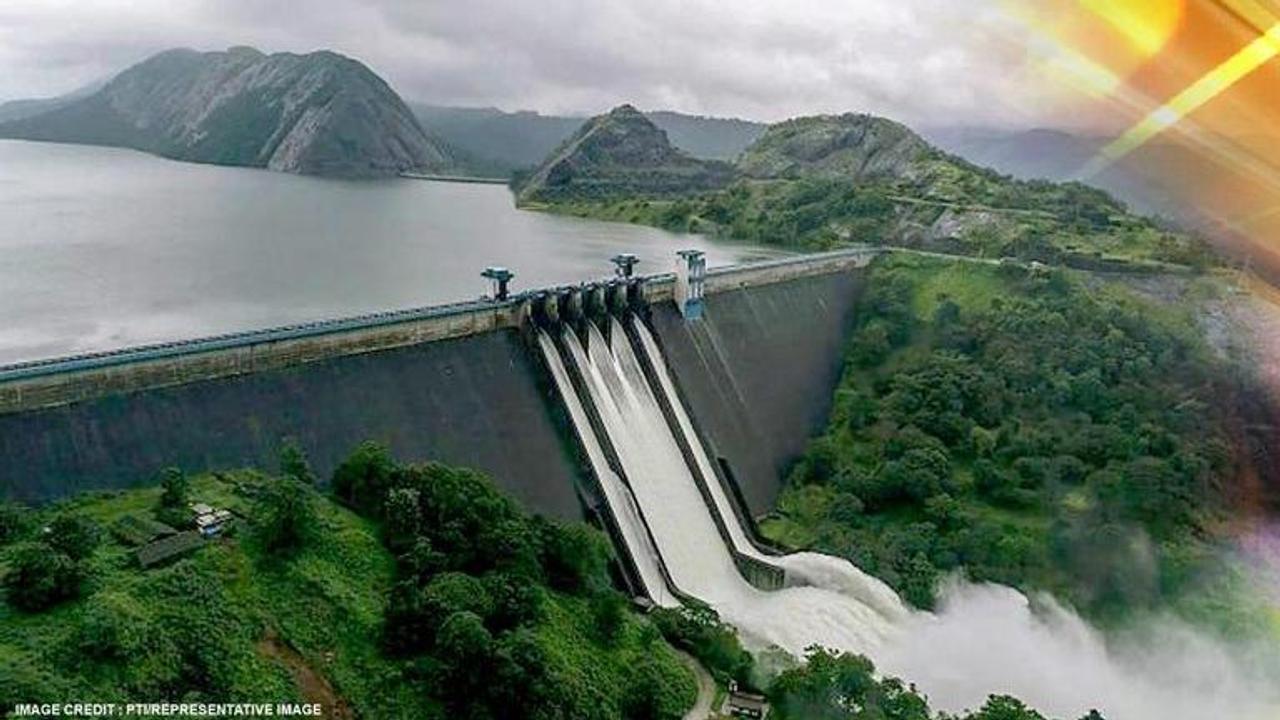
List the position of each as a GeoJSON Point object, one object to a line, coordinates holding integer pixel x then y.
{"type": "Point", "coordinates": [165, 548]}
{"type": "Point", "coordinates": [135, 530]}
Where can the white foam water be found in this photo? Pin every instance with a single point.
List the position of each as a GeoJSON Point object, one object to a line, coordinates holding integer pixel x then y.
{"type": "Point", "coordinates": [620, 500]}
{"type": "Point", "coordinates": [984, 639]}
{"type": "Point", "coordinates": [696, 556]}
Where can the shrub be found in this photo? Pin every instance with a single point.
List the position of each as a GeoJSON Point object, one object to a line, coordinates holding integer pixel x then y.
{"type": "Point", "coordinates": [40, 577]}
{"type": "Point", "coordinates": [75, 535]}
{"type": "Point", "coordinates": [286, 519]}
{"type": "Point", "coordinates": [113, 626]}
{"type": "Point", "coordinates": [608, 616]}
{"type": "Point", "coordinates": [294, 463]}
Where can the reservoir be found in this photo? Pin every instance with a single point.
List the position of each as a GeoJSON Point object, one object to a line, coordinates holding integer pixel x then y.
{"type": "Point", "coordinates": [103, 248]}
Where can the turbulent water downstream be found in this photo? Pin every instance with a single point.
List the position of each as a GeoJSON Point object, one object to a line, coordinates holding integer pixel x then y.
{"type": "Point", "coordinates": [986, 639]}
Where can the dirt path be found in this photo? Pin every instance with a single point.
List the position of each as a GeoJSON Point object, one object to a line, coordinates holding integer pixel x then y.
{"type": "Point", "coordinates": [312, 685]}
{"type": "Point", "coordinates": [701, 709]}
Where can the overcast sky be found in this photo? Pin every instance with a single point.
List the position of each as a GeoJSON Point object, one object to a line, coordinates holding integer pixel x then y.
{"type": "Point", "coordinates": [929, 62]}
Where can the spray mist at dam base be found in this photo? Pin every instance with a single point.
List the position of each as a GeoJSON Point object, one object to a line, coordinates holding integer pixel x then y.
{"type": "Point", "coordinates": [984, 639]}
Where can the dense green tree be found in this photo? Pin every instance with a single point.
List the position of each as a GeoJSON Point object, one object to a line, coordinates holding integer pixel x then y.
{"type": "Point", "coordinates": [516, 601]}
{"type": "Point", "coordinates": [294, 463]}
{"type": "Point", "coordinates": [1003, 707]}
{"type": "Point", "coordinates": [362, 480]}
{"type": "Point", "coordinates": [74, 535]}
{"type": "Point", "coordinates": [833, 686]}
{"type": "Point", "coordinates": [114, 626]}
{"type": "Point", "coordinates": [651, 694]}
{"type": "Point", "coordinates": [284, 518]}
{"type": "Point", "coordinates": [465, 649]}
{"type": "Point", "coordinates": [521, 679]}
{"type": "Point", "coordinates": [697, 630]}
{"type": "Point", "coordinates": [174, 488]}
{"type": "Point", "coordinates": [40, 576]}
{"type": "Point", "coordinates": [608, 615]}
{"type": "Point", "coordinates": [574, 556]}
{"type": "Point", "coordinates": [402, 518]}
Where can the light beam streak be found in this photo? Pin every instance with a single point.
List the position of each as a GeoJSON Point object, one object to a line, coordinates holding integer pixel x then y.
{"type": "Point", "coordinates": [1250, 58]}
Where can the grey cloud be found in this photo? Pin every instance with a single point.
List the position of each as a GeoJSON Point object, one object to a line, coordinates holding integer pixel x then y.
{"type": "Point", "coordinates": [923, 61]}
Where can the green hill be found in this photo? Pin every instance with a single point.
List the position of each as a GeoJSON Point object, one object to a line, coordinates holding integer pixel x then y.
{"type": "Point", "coordinates": [620, 154]}
{"type": "Point", "coordinates": [1049, 430]}
{"type": "Point", "coordinates": [827, 181]}
{"type": "Point", "coordinates": [488, 141]}
{"type": "Point", "coordinates": [850, 147]}
{"type": "Point", "coordinates": [319, 113]}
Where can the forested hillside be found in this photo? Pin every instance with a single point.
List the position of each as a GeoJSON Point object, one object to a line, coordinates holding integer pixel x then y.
{"type": "Point", "coordinates": [444, 601]}
{"type": "Point", "coordinates": [440, 600]}
{"type": "Point", "coordinates": [1043, 429]}
{"type": "Point", "coordinates": [822, 182]}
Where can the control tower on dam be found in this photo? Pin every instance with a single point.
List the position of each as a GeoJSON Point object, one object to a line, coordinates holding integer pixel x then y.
{"type": "Point", "coordinates": [754, 349]}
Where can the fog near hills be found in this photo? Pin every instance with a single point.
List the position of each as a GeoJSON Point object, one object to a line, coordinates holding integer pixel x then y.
{"type": "Point", "coordinates": [30, 107]}
{"type": "Point", "coordinates": [489, 141]}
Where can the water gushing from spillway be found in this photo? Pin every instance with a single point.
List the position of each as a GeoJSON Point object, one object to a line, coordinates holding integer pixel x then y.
{"type": "Point", "coordinates": [815, 569]}
{"type": "Point", "coordinates": [985, 639]}
{"type": "Point", "coordinates": [687, 538]}
{"type": "Point", "coordinates": [620, 500]}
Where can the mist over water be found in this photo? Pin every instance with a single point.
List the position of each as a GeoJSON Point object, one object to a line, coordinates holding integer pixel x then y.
{"type": "Point", "coordinates": [991, 639]}
{"type": "Point", "coordinates": [984, 639]}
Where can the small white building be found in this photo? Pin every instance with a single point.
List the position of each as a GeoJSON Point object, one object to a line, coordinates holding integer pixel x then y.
{"type": "Point", "coordinates": [210, 521]}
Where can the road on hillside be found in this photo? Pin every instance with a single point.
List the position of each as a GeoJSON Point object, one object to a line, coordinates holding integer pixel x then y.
{"type": "Point", "coordinates": [701, 709]}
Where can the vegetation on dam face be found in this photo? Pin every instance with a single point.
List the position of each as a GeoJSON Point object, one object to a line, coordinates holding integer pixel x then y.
{"type": "Point", "coordinates": [1041, 430]}
{"type": "Point", "coordinates": [443, 599]}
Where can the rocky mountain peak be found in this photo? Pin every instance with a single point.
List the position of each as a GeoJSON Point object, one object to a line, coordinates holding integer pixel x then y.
{"type": "Point", "coordinates": [852, 146]}
{"type": "Point", "coordinates": [321, 114]}
{"type": "Point", "coordinates": [620, 153]}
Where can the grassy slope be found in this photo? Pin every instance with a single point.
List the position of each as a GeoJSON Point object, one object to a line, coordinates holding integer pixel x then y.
{"type": "Point", "coordinates": [327, 604]}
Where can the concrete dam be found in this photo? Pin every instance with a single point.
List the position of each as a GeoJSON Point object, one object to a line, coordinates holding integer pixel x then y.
{"type": "Point", "coordinates": [462, 384]}
{"type": "Point", "coordinates": [662, 407]}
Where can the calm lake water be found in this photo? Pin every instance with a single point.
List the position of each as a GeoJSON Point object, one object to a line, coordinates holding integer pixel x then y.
{"type": "Point", "coordinates": [103, 248]}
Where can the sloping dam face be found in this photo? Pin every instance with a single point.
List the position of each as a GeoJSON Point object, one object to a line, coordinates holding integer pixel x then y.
{"type": "Point", "coordinates": [474, 401]}
{"type": "Point", "coordinates": [462, 387]}
{"type": "Point", "coordinates": [758, 371]}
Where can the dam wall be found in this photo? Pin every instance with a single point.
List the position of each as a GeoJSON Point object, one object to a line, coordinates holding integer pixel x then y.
{"type": "Point", "coordinates": [476, 400]}
{"type": "Point", "coordinates": [458, 384]}
{"type": "Point", "coordinates": [758, 370]}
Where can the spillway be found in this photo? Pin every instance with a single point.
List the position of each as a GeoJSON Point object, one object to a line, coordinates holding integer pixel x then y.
{"type": "Point", "coordinates": [839, 608]}
{"type": "Point", "coordinates": [986, 639]}
{"type": "Point", "coordinates": [621, 502]}
{"type": "Point", "coordinates": [807, 568]}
